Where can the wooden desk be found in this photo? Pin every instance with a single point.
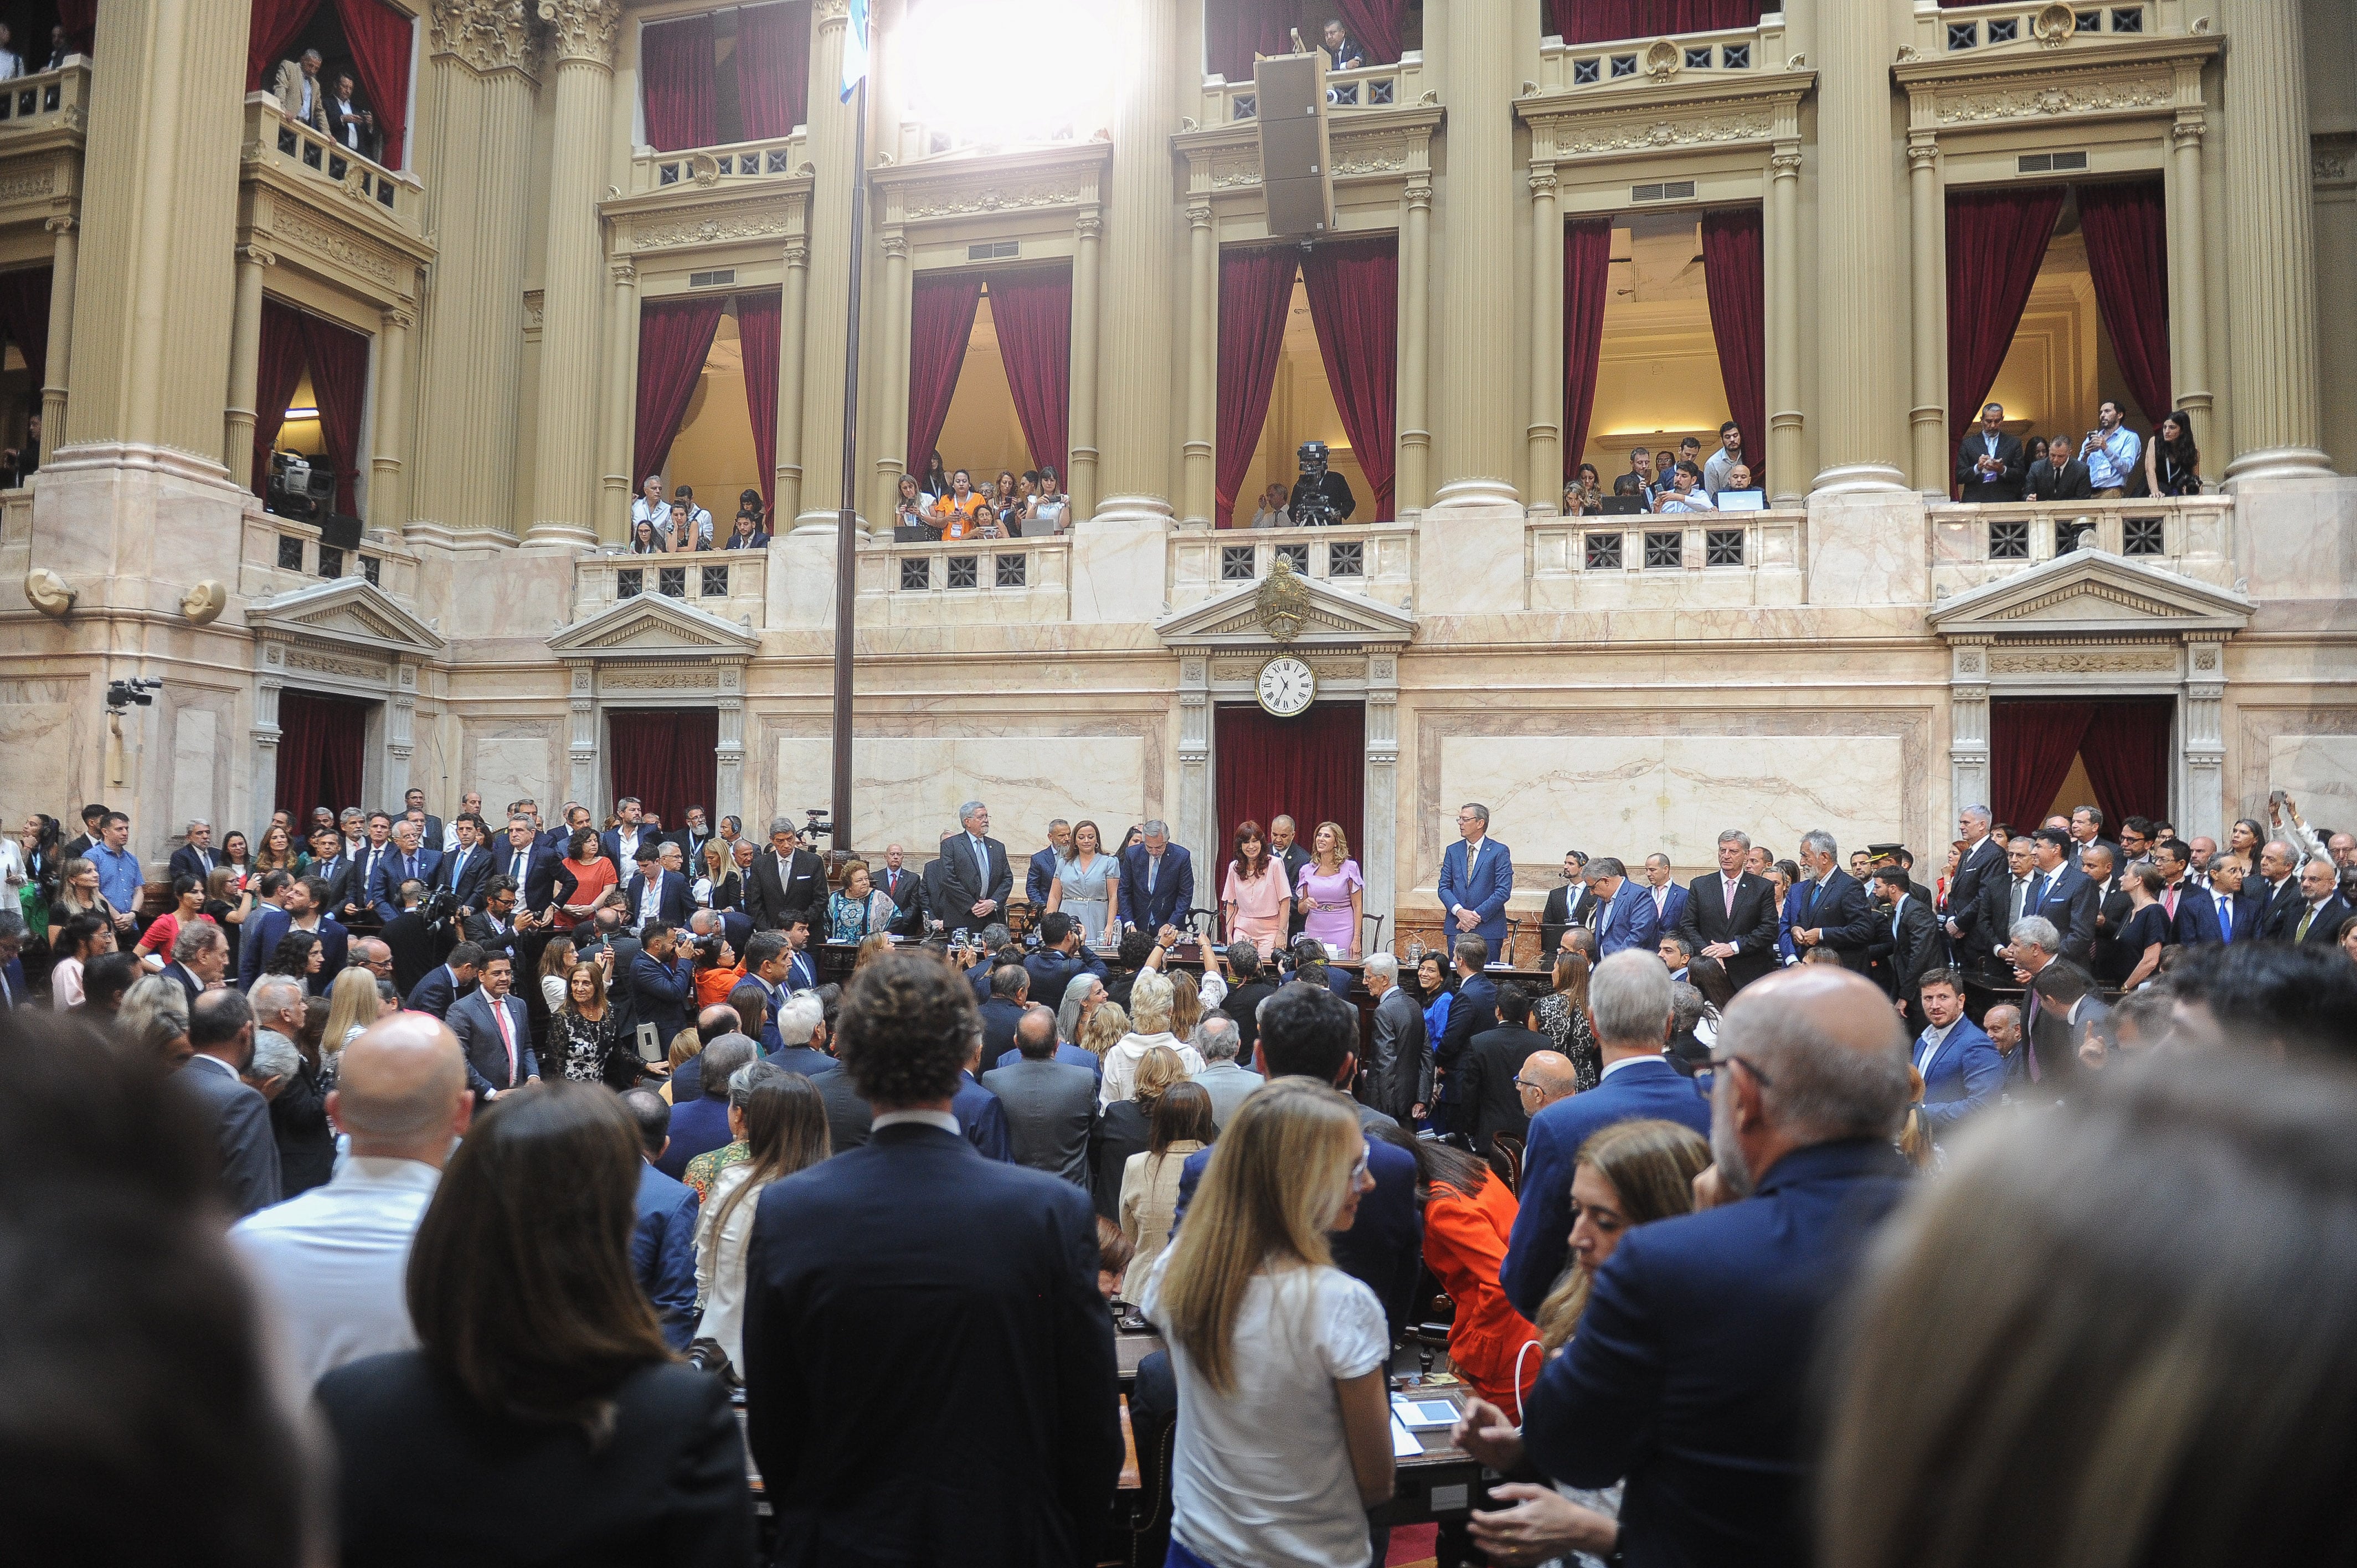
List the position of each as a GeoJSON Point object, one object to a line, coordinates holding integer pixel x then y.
{"type": "Point", "coordinates": [1442, 1482]}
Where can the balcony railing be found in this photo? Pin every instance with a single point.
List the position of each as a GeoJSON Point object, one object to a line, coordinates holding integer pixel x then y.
{"type": "Point", "coordinates": [733, 164]}
{"type": "Point", "coordinates": [48, 99]}
{"type": "Point", "coordinates": [727, 583]}
{"type": "Point", "coordinates": [1580, 67]}
{"type": "Point", "coordinates": [327, 164]}
{"type": "Point", "coordinates": [2035, 26]}
{"type": "Point", "coordinates": [964, 582]}
{"type": "Point", "coordinates": [1973, 544]}
{"type": "Point", "coordinates": [1369, 87]}
{"type": "Point", "coordinates": [1375, 560]}
{"type": "Point", "coordinates": [279, 554]}
{"type": "Point", "coordinates": [1667, 560]}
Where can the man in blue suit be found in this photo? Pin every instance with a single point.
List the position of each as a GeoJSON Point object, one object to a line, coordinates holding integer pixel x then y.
{"type": "Point", "coordinates": [662, 982]}
{"type": "Point", "coordinates": [1669, 899]}
{"type": "Point", "coordinates": [454, 977]}
{"type": "Point", "coordinates": [622, 841]}
{"type": "Point", "coordinates": [1829, 909]}
{"type": "Point", "coordinates": [2061, 891]}
{"type": "Point", "coordinates": [662, 1245]}
{"type": "Point", "coordinates": [1963, 1072]}
{"type": "Point", "coordinates": [943, 1306]}
{"type": "Point", "coordinates": [1629, 1007]}
{"type": "Point", "coordinates": [1689, 1374]}
{"type": "Point", "coordinates": [1040, 876]}
{"type": "Point", "coordinates": [2222, 912]}
{"type": "Point", "coordinates": [1158, 881]}
{"type": "Point", "coordinates": [1472, 1010]}
{"type": "Point", "coordinates": [1624, 914]}
{"type": "Point", "coordinates": [405, 862]}
{"type": "Point", "coordinates": [533, 867]}
{"type": "Point", "coordinates": [674, 900]}
{"type": "Point", "coordinates": [302, 908]}
{"type": "Point", "coordinates": [1477, 878]}
{"type": "Point", "coordinates": [466, 867]}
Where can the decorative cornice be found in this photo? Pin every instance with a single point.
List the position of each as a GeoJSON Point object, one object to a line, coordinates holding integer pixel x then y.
{"type": "Point", "coordinates": [485, 34]}
{"type": "Point", "coordinates": [582, 31]}
{"type": "Point", "coordinates": [768, 218]}
{"type": "Point", "coordinates": [2045, 101]}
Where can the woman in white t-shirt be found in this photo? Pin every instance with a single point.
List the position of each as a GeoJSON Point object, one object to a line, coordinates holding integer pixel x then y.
{"type": "Point", "coordinates": [1284, 1419]}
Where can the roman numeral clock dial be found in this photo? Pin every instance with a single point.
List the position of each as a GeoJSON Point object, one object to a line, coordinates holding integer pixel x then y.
{"type": "Point", "coordinates": [1286, 686]}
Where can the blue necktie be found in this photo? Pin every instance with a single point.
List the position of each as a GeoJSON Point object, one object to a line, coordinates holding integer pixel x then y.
{"type": "Point", "coordinates": [2037, 893]}
{"type": "Point", "coordinates": [2225, 919]}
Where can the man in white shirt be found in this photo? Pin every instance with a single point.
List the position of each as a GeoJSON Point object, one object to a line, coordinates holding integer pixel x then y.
{"type": "Point", "coordinates": [1718, 474]}
{"type": "Point", "coordinates": [334, 1261]}
{"type": "Point", "coordinates": [469, 805]}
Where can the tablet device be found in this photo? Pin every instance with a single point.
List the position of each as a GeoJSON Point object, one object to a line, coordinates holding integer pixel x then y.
{"type": "Point", "coordinates": [651, 1045]}
{"type": "Point", "coordinates": [1418, 1416]}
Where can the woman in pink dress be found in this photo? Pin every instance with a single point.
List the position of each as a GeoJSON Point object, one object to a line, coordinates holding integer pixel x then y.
{"type": "Point", "coordinates": [1257, 900]}
{"type": "Point", "coordinates": [1330, 891]}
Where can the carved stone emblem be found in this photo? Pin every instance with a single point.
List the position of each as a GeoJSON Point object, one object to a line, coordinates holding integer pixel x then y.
{"type": "Point", "coordinates": [1283, 602]}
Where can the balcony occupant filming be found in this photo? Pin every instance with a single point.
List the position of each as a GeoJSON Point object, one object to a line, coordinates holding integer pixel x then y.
{"type": "Point", "coordinates": [1320, 495]}
{"type": "Point", "coordinates": [2110, 451]}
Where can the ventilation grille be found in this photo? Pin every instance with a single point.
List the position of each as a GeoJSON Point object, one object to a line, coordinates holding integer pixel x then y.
{"type": "Point", "coordinates": [996, 252]}
{"type": "Point", "coordinates": [719, 279]}
{"type": "Point", "coordinates": [2050, 162]}
{"type": "Point", "coordinates": [1667, 190]}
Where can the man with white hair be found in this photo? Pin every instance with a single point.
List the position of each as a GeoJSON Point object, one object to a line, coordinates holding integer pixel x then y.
{"type": "Point", "coordinates": [334, 1261]}
{"type": "Point", "coordinates": [196, 858]}
{"type": "Point", "coordinates": [799, 1018]}
{"type": "Point", "coordinates": [1978, 859]}
{"type": "Point", "coordinates": [298, 1106]}
{"type": "Point", "coordinates": [1399, 1072]}
{"type": "Point", "coordinates": [200, 957]}
{"type": "Point", "coordinates": [1227, 1082]}
{"type": "Point", "coordinates": [972, 878]}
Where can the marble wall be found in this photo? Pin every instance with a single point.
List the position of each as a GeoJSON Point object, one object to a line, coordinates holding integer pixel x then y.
{"type": "Point", "coordinates": [194, 791]}
{"type": "Point", "coordinates": [510, 760]}
{"type": "Point", "coordinates": [907, 789]}
{"type": "Point", "coordinates": [44, 735]}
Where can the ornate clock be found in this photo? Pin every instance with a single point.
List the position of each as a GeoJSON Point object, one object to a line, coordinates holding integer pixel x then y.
{"type": "Point", "coordinates": [1286, 686]}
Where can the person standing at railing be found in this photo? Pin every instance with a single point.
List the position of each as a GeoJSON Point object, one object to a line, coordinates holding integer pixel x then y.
{"type": "Point", "coordinates": [59, 48]}
{"type": "Point", "coordinates": [299, 92]}
{"type": "Point", "coordinates": [352, 125]}
{"type": "Point", "coordinates": [2172, 463]}
{"type": "Point", "coordinates": [1989, 464]}
{"type": "Point", "coordinates": [12, 64]}
{"type": "Point", "coordinates": [2059, 475]}
{"type": "Point", "coordinates": [2109, 452]}
{"type": "Point", "coordinates": [685, 496]}
{"type": "Point", "coordinates": [960, 512]}
{"type": "Point", "coordinates": [1047, 502]}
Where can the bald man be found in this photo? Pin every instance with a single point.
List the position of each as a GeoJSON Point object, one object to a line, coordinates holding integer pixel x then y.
{"type": "Point", "coordinates": [1546, 1078]}
{"type": "Point", "coordinates": [333, 1261]}
{"type": "Point", "coordinates": [1687, 1373]}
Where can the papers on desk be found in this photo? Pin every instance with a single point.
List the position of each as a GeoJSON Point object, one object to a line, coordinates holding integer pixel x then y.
{"type": "Point", "coordinates": [1404, 1442]}
{"type": "Point", "coordinates": [1419, 1415]}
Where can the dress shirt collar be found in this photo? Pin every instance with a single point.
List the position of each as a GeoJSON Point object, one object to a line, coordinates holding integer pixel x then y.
{"type": "Point", "coordinates": [216, 1061]}
{"type": "Point", "coordinates": [387, 1171]}
{"type": "Point", "coordinates": [1612, 1068]}
{"type": "Point", "coordinates": [940, 1119]}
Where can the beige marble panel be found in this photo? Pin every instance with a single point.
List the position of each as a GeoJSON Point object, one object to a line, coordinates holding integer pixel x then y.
{"type": "Point", "coordinates": [512, 766]}
{"type": "Point", "coordinates": [193, 733]}
{"type": "Point", "coordinates": [2320, 773]}
{"type": "Point", "coordinates": [1118, 570]}
{"type": "Point", "coordinates": [1472, 560]}
{"type": "Point", "coordinates": [907, 789]}
{"type": "Point", "coordinates": [38, 741]}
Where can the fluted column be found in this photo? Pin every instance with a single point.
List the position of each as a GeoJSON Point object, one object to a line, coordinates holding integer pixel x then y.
{"type": "Point", "coordinates": [1480, 65]}
{"type": "Point", "coordinates": [786, 502]}
{"type": "Point", "coordinates": [1860, 441]}
{"type": "Point", "coordinates": [57, 374]}
{"type": "Point", "coordinates": [244, 364]}
{"type": "Point", "coordinates": [388, 507]}
{"type": "Point", "coordinates": [1414, 488]}
{"type": "Point", "coordinates": [1198, 488]}
{"type": "Point", "coordinates": [827, 335]}
{"type": "Point", "coordinates": [1781, 440]}
{"type": "Point", "coordinates": [1543, 438]}
{"type": "Point", "coordinates": [1088, 235]}
{"type": "Point", "coordinates": [619, 483]}
{"type": "Point", "coordinates": [894, 302]}
{"type": "Point", "coordinates": [1135, 357]}
{"type": "Point", "coordinates": [2271, 267]}
{"type": "Point", "coordinates": [565, 453]}
{"type": "Point", "coordinates": [1927, 284]}
{"type": "Point", "coordinates": [2188, 319]}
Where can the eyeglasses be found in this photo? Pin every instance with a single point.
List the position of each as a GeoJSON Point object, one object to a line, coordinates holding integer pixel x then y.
{"type": "Point", "coordinates": [1748, 1065]}
{"type": "Point", "coordinates": [1359, 1171]}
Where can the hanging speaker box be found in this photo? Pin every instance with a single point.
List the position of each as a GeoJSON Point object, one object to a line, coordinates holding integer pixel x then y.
{"type": "Point", "coordinates": [1297, 173]}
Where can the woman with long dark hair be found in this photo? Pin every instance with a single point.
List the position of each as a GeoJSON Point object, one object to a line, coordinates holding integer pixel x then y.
{"type": "Point", "coordinates": [1258, 901]}
{"type": "Point", "coordinates": [1562, 1016]}
{"type": "Point", "coordinates": [783, 1124]}
{"type": "Point", "coordinates": [2171, 461]}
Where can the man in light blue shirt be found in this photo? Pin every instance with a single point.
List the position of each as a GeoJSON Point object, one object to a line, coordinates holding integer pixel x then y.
{"type": "Point", "coordinates": [2111, 451]}
{"type": "Point", "coordinates": [119, 876]}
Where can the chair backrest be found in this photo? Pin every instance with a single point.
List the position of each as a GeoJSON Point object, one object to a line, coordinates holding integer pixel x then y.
{"type": "Point", "coordinates": [1506, 1160]}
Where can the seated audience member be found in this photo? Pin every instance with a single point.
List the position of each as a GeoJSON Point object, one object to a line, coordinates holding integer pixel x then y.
{"type": "Point", "coordinates": [1115, 1254]}
{"type": "Point", "coordinates": [2038, 1308]}
{"type": "Point", "coordinates": [1283, 1440]}
{"type": "Point", "coordinates": [746, 534]}
{"type": "Point", "coordinates": [221, 1038]}
{"type": "Point", "coordinates": [857, 1266]}
{"type": "Point", "coordinates": [662, 1243]}
{"type": "Point", "coordinates": [1467, 1214]}
{"type": "Point", "coordinates": [1582, 496]}
{"type": "Point", "coordinates": [784, 1125]}
{"type": "Point", "coordinates": [1683, 492]}
{"type": "Point", "coordinates": [1050, 1103]}
{"type": "Point", "coordinates": [649, 537]}
{"type": "Point", "coordinates": [702, 1123]}
{"type": "Point", "coordinates": [543, 1411]}
{"type": "Point", "coordinates": [333, 1259]}
{"type": "Point", "coordinates": [1149, 1179]}
{"type": "Point", "coordinates": [2060, 476]}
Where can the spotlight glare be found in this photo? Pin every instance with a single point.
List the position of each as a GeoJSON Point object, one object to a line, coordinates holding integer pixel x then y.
{"type": "Point", "coordinates": [1001, 71]}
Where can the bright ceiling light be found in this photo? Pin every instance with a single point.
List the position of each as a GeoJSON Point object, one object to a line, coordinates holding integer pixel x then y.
{"type": "Point", "coordinates": [998, 71]}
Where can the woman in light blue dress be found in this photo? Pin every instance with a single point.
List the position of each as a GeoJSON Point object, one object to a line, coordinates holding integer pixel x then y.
{"type": "Point", "coordinates": [1087, 884]}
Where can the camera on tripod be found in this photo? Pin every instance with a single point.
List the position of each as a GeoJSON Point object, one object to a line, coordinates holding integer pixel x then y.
{"type": "Point", "coordinates": [438, 907]}
{"type": "Point", "coordinates": [817, 826]}
{"type": "Point", "coordinates": [122, 694]}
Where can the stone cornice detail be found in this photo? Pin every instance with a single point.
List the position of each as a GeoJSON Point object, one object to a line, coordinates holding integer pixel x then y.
{"type": "Point", "coordinates": [582, 30]}
{"type": "Point", "coordinates": [1673, 116]}
{"type": "Point", "coordinates": [965, 184]}
{"type": "Point", "coordinates": [485, 34]}
{"type": "Point", "coordinates": [2131, 79]}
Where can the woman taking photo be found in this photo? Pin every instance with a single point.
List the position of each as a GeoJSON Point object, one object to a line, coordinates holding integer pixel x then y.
{"type": "Point", "coordinates": [1050, 506]}
{"type": "Point", "coordinates": [1258, 901]}
{"type": "Point", "coordinates": [2171, 462]}
{"type": "Point", "coordinates": [860, 910]}
{"type": "Point", "coordinates": [783, 1126]}
{"type": "Point", "coordinates": [1087, 884]}
{"type": "Point", "coordinates": [226, 907]}
{"type": "Point", "coordinates": [909, 506]}
{"type": "Point", "coordinates": [584, 1028]}
{"type": "Point", "coordinates": [586, 881]}
{"type": "Point", "coordinates": [1330, 891]}
{"type": "Point", "coordinates": [541, 1410]}
{"type": "Point", "coordinates": [1283, 1432]}
{"type": "Point", "coordinates": [1149, 1181]}
{"type": "Point", "coordinates": [1562, 1016]}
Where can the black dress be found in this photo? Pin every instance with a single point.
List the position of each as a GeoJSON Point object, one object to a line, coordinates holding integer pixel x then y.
{"type": "Point", "coordinates": [1126, 1129]}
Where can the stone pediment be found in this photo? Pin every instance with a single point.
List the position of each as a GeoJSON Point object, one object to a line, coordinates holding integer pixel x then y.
{"type": "Point", "coordinates": [2092, 592]}
{"type": "Point", "coordinates": [1328, 617]}
{"type": "Point", "coordinates": [653, 624]}
{"type": "Point", "coordinates": [350, 611]}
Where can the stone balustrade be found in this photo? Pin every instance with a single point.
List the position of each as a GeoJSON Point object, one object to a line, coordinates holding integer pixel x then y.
{"type": "Point", "coordinates": [730, 583]}
{"type": "Point", "coordinates": [2192, 536]}
{"type": "Point", "coordinates": [1376, 561]}
{"type": "Point", "coordinates": [1570, 68]}
{"type": "Point", "coordinates": [325, 169]}
{"type": "Point", "coordinates": [736, 162]}
{"type": "Point", "coordinates": [1228, 103]}
{"type": "Point", "coordinates": [279, 554]}
{"type": "Point", "coordinates": [48, 100]}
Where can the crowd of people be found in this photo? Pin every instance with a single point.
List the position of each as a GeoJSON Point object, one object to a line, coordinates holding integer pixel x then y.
{"type": "Point", "coordinates": [523, 1219]}
{"type": "Point", "coordinates": [660, 527]}
{"type": "Point", "coordinates": [2108, 463]}
{"type": "Point", "coordinates": [944, 504]}
{"type": "Point", "coordinates": [1671, 480]}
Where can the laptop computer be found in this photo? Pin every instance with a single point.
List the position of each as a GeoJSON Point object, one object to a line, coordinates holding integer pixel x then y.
{"type": "Point", "coordinates": [1038, 528]}
{"type": "Point", "coordinates": [1622, 506]}
{"type": "Point", "coordinates": [913, 533]}
{"type": "Point", "coordinates": [1742, 501]}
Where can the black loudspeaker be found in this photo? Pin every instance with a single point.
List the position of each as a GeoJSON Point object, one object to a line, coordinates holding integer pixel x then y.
{"type": "Point", "coordinates": [339, 532]}
{"type": "Point", "coordinates": [1297, 175]}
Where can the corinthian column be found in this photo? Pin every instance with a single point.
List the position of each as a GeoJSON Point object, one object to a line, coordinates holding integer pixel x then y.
{"type": "Point", "coordinates": [244, 363]}
{"type": "Point", "coordinates": [1142, 247]}
{"type": "Point", "coordinates": [389, 474]}
{"type": "Point", "coordinates": [621, 401]}
{"type": "Point", "coordinates": [565, 465]}
{"type": "Point", "coordinates": [827, 335]}
{"type": "Point", "coordinates": [1861, 434]}
{"type": "Point", "coordinates": [1480, 64]}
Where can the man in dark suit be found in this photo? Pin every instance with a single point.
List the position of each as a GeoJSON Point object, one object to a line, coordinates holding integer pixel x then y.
{"type": "Point", "coordinates": [494, 1033]}
{"type": "Point", "coordinates": [1829, 909]}
{"type": "Point", "coordinates": [1472, 1011]}
{"type": "Point", "coordinates": [2222, 912]}
{"type": "Point", "coordinates": [357, 904]}
{"type": "Point", "coordinates": [1978, 859]}
{"type": "Point", "coordinates": [531, 865]}
{"type": "Point", "coordinates": [657, 892]}
{"type": "Point", "coordinates": [786, 880]}
{"type": "Point", "coordinates": [1492, 1066]}
{"type": "Point", "coordinates": [1689, 1375]}
{"type": "Point", "coordinates": [330, 863]}
{"type": "Point", "coordinates": [1990, 465]}
{"type": "Point", "coordinates": [695, 832]}
{"type": "Point", "coordinates": [454, 977]}
{"type": "Point", "coordinates": [77, 847]}
{"type": "Point", "coordinates": [492, 927]}
{"type": "Point", "coordinates": [2086, 829]}
{"type": "Point", "coordinates": [301, 902]}
{"type": "Point", "coordinates": [467, 868]}
{"type": "Point", "coordinates": [1158, 881]}
{"type": "Point", "coordinates": [1319, 494]}
{"type": "Point", "coordinates": [1669, 899]}
{"type": "Point", "coordinates": [974, 880]}
{"type": "Point", "coordinates": [405, 862]}
{"type": "Point", "coordinates": [1051, 1106]}
{"type": "Point", "coordinates": [621, 840]}
{"type": "Point", "coordinates": [2063, 894]}
{"type": "Point", "coordinates": [1041, 874]}
{"type": "Point", "coordinates": [195, 858]}
{"type": "Point", "coordinates": [1624, 914]}
{"type": "Point", "coordinates": [221, 1034]}
{"type": "Point", "coordinates": [2049, 1058]}
{"type": "Point", "coordinates": [414, 800]}
{"type": "Point", "coordinates": [855, 1266]}
{"type": "Point", "coordinates": [1906, 942]}
{"type": "Point", "coordinates": [662, 982]}
{"type": "Point", "coordinates": [1061, 957]}
{"type": "Point", "coordinates": [2278, 890]}
{"type": "Point", "coordinates": [907, 891]}
{"type": "Point", "coordinates": [2003, 900]}
{"type": "Point", "coordinates": [199, 957]}
{"type": "Point", "coordinates": [2322, 907]}
{"type": "Point", "coordinates": [1963, 1073]}
{"type": "Point", "coordinates": [1010, 988]}
{"type": "Point", "coordinates": [1568, 906]}
{"type": "Point", "coordinates": [1629, 1007]}
{"type": "Point", "coordinates": [1730, 916]}
{"type": "Point", "coordinates": [409, 939]}
{"type": "Point", "coordinates": [2060, 476]}
{"type": "Point", "coordinates": [1286, 848]}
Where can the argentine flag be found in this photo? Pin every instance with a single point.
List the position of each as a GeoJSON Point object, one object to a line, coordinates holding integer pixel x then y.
{"type": "Point", "coordinates": [855, 49]}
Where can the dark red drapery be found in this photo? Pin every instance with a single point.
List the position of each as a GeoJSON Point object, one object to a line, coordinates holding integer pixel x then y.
{"type": "Point", "coordinates": [1376, 24]}
{"type": "Point", "coordinates": [674, 339]}
{"type": "Point", "coordinates": [1235, 30]}
{"type": "Point", "coordinates": [1601, 21]}
{"type": "Point", "coordinates": [2031, 745]}
{"type": "Point", "coordinates": [2127, 228]}
{"type": "Point", "coordinates": [2126, 751]}
{"type": "Point", "coordinates": [773, 68]}
{"type": "Point", "coordinates": [339, 377]}
{"type": "Point", "coordinates": [381, 39]}
{"type": "Point", "coordinates": [322, 743]}
{"type": "Point", "coordinates": [278, 371]}
{"type": "Point", "coordinates": [1353, 288]}
{"type": "Point", "coordinates": [668, 758]}
{"type": "Point", "coordinates": [941, 324]}
{"type": "Point", "coordinates": [1739, 319]}
{"type": "Point", "coordinates": [1032, 309]}
{"type": "Point", "coordinates": [1587, 289]}
{"type": "Point", "coordinates": [1996, 242]}
{"type": "Point", "coordinates": [1312, 768]}
{"type": "Point", "coordinates": [25, 319]}
{"type": "Point", "coordinates": [756, 337]}
{"type": "Point", "coordinates": [1256, 291]}
{"type": "Point", "coordinates": [80, 19]}
{"type": "Point", "coordinates": [675, 66]}
{"type": "Point", "coordinates": [270, 30]}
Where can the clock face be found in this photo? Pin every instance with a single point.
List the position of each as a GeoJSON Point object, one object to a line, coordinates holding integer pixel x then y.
{"type": "Point", "coordinates": [1286, 686]}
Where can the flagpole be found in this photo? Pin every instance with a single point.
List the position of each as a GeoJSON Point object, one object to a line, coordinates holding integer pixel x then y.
{"type": "Point", "coordinates": [846, 523]}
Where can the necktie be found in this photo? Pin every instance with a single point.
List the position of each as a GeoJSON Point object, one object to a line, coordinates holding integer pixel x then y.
{"type": "Point", "coordinates": [2305, 921]}
{"type": "Point", "coordinates": [517, 872]}
{"type": "Point", "coordinates": [2028, 1046]}
{"type": "Point", "coordinates": [2021, 887]}
{"type": "Point", "coordinates": [2168, 902]}
{"type": "Point", "coordinates": [2225, 919]}
{"type": "Point", "coordinates": [507, 1038]}
{"type": "Point", "coordinates": [1153, 864]}
{"type": "Point", "coordinates": [1730, 896]}
{"type": "Point", "coordinates": [408, 867]}
{"type": "Point", "coordinates": [2037, 892]}
{"type": "Point", "coordinates": [459, 869]}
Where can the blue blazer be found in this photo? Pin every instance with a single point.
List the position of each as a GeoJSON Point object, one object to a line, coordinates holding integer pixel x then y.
{"type": "Point", "coordinates": [385, 886]}
{"type": "Point", "coordinates": [1673, 911]}
{"type": "Point", "coordinates": [982, 1117]}
{"type": "Point", "coordinates": [660, 994]}
{"type": "Point", "coordinates": [262, 934]}
{"type": "Point", "coordinates": [2071, 900]}
{"type": "Point", "coordinates": [1541, 1242]}
{"type": "Point", "coordinates": [1174, 887]}
{"type": "Point", "coordinates": [435, 993]}
{"type": "Point", "coordinates": [467, 882]}
{"type": "Point", "coordinates": [673, 904]}
{"type": "Point", "coordinates": [1688, 1374]}
{"type": "Point", "coordinates": [662, 1251]}
{"type": "Point", "coordinates": [1040, 876]}
{"type": "Point", "coordinates": [2197, 918]}
{"type": "Point", "coordinates": [1841, 910]}
{"type": "Point", "coordinates": [1965, 1075]}
{"type": "Point", "coordinates": [1486, 895]}
{"type": "Point", "coordinates": [1628, 921]}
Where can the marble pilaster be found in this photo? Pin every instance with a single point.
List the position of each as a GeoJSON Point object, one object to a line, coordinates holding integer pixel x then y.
{"type": "Point", "coordinates": [1142, 248]}
{"type": "Point", "coordinates": [1480, 64]}
{"type": "Point", "coordinates": [57, 374]}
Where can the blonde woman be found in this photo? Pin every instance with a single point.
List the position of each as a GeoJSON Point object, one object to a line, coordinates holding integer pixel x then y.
{"type": "Point", "coordinates": [1103, 1029]}
{"type": "Point", "coordinates": [352, 1007]}
{"type": "Point", "coordinates": [1127, 1126]}
{"type": "Point", "coordinates": [1149, 1011]}
{"type": "Point", "coordinates": [1330, 889]}
{"type": "Point", "coordinates": [1283, 1434]}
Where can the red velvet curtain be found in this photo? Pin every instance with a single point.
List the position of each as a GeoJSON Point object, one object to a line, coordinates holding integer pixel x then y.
{"type": "Point", "coordinates": [1739, 320]}
{"type": "Point", "coordinates": [675, 339]}
{"type": "Point", "coordinates": [1312, 768]}
{"type": "Point", "coordinates": [1235, 30]}
{"type": "Point", "coordinates": [2127, 228]}
{"type": "Point", "coordinates": [756, 337]}
{"type": "Point", "coordinates": [1353, 287]}
{"type": "Point", "coordinates": [941, 324]}
{"type": "Point", "coordinates": [1996, 242]}
{"type": "Point", "coordinates": [1032, 309]}
{"type": "Point", "coordinates": [80, 19]}
{"type": "Point", "coordinates": [1603, 21]}
{"type": "Point", "coordinates": [1376, 24]}
{"type": "Point", "coordinates": [676, 72]}
{"type": "Point", "coordinates": [1587, 289]}
{"type": "Point", "coordinates": [340, 379]}
{"type": "Point", "coordinates": [25, 319]}
{"type": "Point", "coordinates": [278, 371]}
{"type": "Point", "coordinates": [668, 758]}
{"type": "Point", "coordinates": [773, 68]}
{"type": "Point", "coordinates": [2126, 751]}
{"type": "Point", "coordinates": [380, 39]}
{"type": "Point", "coordinates": [1256, 291]}
{"type": "Point", "coordinates": [270, 30]}
{"type": "Point", "coordinates": [322, 745]}
{"type": "Point", "coordinates": [2031, 745]}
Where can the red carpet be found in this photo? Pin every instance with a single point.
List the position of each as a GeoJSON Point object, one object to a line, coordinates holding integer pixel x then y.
{"type": "Point", "coordinates": [1412, 1546]}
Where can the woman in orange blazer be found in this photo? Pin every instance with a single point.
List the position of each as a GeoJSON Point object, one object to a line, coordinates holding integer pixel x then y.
{"type": "Point", "coordinates": [1467, 1215]}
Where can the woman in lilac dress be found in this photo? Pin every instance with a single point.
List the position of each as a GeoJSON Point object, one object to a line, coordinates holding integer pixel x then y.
{"type": "Point", "coordinates": [1330, 891]}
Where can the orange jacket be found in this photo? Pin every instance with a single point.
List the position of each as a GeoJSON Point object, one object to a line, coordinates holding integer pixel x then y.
{"type": "Point", "coordinates": [1464, 1241]}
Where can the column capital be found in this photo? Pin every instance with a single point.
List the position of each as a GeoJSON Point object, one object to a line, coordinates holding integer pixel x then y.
{"type": "Point", "coordinates": [1784, 163]}
{"type": "Point", "coordinates": [487, 35]}
{"type": "Point", "coordinates": [895, 245]}
{"type": "Point", "coordinates": [255, 255]}
{"type": "Point", "coordinates": [61, 223]}
{"type": "Point", "coordinates": [1089, 225]}
{"type": "Point", "coordinates": [398, 320]}
{"type": "Point", "coordinates": [1198, 215]}
{"type": "Point", "coordinates": [1543, 181]}
{"type": "Point", "coordinates": [2191, 126]}
{"type": "Point", "coordinates": [798, 253]}
{"type": "Point", "coordinates": [582, 30]}
{"type": "Point", "coordinates": [624, 273]}
{"type": "Point", "coordinates": [1419, 195]}
{"type": "Point", "coordinates": [830, 12]}
{"type": "Point", "coordinates": [1922, 152]}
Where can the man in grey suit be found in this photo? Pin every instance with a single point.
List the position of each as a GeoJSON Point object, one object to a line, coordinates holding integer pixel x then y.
{"type": "Point", "coordinates": [1220, 1042]}
{"type": "Point", "coordinates": [221, 1032]}
{"type": "Point", "coordinates": [1051, 1106]}
{"type": "Point", "coordinates": [1399, 1068]}
{"type": "Point", "coordinates": [494, 1031]}
{"type": "Point", "coordinates": [971, 878]}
